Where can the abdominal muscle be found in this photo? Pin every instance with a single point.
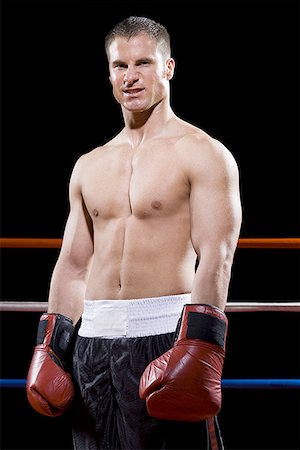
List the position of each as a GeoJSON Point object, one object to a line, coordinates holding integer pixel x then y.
{"type": "Point", "coordinates": [138, 258]}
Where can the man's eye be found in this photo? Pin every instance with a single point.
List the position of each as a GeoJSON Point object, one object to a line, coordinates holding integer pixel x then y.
{"type": "Point", "coordinates": [120, 66]}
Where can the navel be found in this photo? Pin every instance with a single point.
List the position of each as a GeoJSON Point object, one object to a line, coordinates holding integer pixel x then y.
{"type": "Point", "coordinates": [95, 212]}
{"type": "Point", "coordinates": [156, 204]}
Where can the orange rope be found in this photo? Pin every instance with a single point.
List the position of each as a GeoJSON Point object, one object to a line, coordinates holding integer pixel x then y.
{"type": "Point", "coordinates": [242, 243]}
{"type": "Point", "coordinates": [29, 243]}
{"type": "Point", "coordinates": [269, 243]}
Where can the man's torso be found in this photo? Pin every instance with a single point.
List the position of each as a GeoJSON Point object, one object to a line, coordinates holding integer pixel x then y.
{"type": "Point", "coordinates": [138, 200]}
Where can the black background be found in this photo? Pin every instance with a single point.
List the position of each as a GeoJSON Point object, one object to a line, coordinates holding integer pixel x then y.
{"type": "Point", "coordinates": [237, 77]}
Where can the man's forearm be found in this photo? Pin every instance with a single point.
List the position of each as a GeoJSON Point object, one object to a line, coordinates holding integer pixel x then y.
{"type": "Point", "coordinates": [211, 282]}
{"type": "Point", "coordinates": [67, 292]}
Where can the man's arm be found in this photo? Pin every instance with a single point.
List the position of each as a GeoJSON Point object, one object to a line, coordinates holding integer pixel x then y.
{"type": "Point", "coordinates": [49, 384]}
{"type": "Point", "coordinates": [68, 282]}
{"type": "Point", "coordinates": [215, 209]}
{"type": "Point", "coordinates": [185, 382]}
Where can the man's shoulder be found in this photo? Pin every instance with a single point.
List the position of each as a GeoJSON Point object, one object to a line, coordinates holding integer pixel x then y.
{"type": "Point", "coordinates": [84, 161]}
{"type": "Point", "coordinates": [91, 155]}
{"type": "Point", "coordinates": [201, 150]}
{"type": "Point", "coordinates": [193, 137]}
{"type": "Point", "coordinates": [198, 142]}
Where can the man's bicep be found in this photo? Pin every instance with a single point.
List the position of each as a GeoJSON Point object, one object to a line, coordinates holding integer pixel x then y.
{"type": "Point", "coordinates": [77, 239]}
{"type": "Point", "coordinates": [215, 210]}
{"type": "Point", "coordinates": [77, 243]}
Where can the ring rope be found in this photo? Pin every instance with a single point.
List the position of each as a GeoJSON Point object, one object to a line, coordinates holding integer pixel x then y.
{"type": "Point", "coordinates": [239, 383]}
{"type": "Point", "coordinates": [31, 306]}
{"type": "Point", "coordinates": [287, 243]}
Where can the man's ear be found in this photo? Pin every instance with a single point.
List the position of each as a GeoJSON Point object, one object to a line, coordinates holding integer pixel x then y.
{"type": "Point", "coordinates": [170, 68]}
{"type": "Point", "coordinates": [108, 74]}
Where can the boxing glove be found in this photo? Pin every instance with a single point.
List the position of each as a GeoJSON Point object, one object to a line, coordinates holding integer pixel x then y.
{"type": "Point", "coordinates": [185, 382]}
{"type": "Point", "coordinates": [49, 386]}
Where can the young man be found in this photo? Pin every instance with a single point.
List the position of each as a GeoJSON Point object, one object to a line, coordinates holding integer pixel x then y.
{"type": "Point", "coordinates": [143, 207]}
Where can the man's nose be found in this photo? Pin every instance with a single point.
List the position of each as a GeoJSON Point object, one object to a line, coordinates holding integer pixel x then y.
{"type": "Point", "coordinates": [131, 75]}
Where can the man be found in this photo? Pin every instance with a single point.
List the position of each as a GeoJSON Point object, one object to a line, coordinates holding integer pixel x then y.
{"type": "Point", "coordinates": [143, 208]}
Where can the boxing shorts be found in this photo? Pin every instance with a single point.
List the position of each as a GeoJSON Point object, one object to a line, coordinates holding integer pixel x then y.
{"type": "Point", "coordinates": [117, 339]}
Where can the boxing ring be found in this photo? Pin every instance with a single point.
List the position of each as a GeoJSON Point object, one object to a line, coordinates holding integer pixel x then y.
{"type": "Point", "coordinates": [236, 307]}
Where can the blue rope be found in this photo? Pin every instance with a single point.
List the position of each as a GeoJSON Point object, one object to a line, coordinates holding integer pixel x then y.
{"type": "Point", "coordinates": [261, 383]}
{"type": "Point", "coordinates": [12, 382]}
{"type": "Point", "coordinates": [240, 383]}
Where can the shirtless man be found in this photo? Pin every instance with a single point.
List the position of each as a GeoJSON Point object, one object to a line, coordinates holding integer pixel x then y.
{"type": "Point", "coordinates": [143, 207]}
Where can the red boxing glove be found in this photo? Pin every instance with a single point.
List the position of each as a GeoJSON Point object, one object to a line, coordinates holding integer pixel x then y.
{"type": "Point", "coordinates": [49, 387]}
{"type": "Point", "coordinates": [185, 382]}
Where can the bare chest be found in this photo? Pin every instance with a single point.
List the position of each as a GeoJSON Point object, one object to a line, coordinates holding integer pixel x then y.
{"type": "Point", "coordinates": [146, 184]}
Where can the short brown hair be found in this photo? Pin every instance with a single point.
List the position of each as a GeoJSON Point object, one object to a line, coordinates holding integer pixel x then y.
{"type": "Point", "coordinates": [134, 25]}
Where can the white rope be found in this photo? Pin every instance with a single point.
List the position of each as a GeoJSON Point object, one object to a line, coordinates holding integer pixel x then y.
{"type": "Point", "coordinates": [262, 306]}
{"type": "Point", "coordinates": [41, 306]}
{"type": "Point", "coordinates": [23, 306]}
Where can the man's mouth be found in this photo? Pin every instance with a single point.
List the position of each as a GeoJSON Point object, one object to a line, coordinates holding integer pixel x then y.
{"type": "Point", "coordinates": [132, 92]}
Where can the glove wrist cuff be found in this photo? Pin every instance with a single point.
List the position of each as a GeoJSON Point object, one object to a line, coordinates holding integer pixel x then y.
{"type": "Point", "coordinates": [205, 322]}
{"type": "Point", "coordinates": [55, 331]}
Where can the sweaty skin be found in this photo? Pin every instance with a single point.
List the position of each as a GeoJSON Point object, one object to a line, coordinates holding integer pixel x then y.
{"type": "Point", "coordinates": [147, 203]}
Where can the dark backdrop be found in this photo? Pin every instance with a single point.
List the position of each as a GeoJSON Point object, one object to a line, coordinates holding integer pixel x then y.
{"type": "Point", "coordinates": [237, 78]}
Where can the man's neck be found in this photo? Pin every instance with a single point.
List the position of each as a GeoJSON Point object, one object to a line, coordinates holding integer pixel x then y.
{"type": "Point", "coordinates": [141, 126]}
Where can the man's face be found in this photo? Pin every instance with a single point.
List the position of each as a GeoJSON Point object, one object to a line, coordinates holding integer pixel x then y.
{"type": "Point", "coordinates": [139, 72]}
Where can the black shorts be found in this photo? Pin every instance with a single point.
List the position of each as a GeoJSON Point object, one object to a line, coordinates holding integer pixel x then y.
{"type": "Point", "coordinates": [108, 413]}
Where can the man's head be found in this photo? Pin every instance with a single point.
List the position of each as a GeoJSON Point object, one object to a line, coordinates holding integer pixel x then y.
{"type": "Point", "coordinates": [140, 65]}
{"type": "Point", "coordinates": [135, 25]}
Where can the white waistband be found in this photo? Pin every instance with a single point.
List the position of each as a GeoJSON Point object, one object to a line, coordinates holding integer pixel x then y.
{"type": "Point", "coordinates": [132, 318]}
